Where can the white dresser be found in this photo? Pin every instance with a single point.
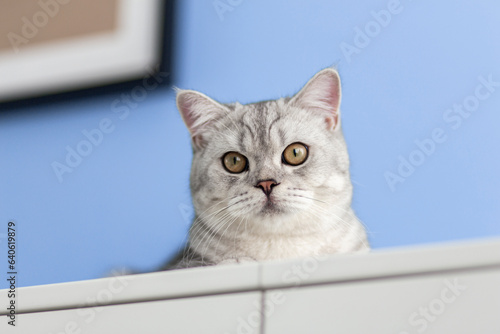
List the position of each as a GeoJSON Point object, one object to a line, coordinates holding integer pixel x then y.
{"type": "Point", "coordinates": [449, 288]}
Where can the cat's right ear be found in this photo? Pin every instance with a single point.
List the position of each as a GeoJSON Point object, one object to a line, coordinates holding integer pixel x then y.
{"type": "Point", "coordinates": [321, 95]}
{"type": "Point", "coordinates": [198, 112]}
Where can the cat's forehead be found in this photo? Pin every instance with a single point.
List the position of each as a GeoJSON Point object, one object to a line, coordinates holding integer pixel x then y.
{"type": "Point", "coordinates": [267, 125]}
{"type": "Point", "coordinates": [259, 118]}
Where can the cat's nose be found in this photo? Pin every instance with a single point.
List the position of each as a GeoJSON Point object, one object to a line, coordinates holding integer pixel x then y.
{"type": "Point", "coordinates": [267, 186]}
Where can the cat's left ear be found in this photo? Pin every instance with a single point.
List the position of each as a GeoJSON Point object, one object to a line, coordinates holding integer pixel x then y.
{"type": "Point", "coordinates": [322, 95]}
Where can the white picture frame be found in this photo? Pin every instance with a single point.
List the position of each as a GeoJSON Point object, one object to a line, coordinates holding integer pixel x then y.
{"type": "Point", "coordinates": [129, 52]}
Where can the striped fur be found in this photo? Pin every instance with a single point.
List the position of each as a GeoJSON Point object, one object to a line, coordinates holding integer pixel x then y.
{"type": "Point", "coordinates": [308, 213]}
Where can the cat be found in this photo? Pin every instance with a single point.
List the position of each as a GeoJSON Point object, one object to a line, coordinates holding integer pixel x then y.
{"type": "Point", "coordinates": [269, 180]}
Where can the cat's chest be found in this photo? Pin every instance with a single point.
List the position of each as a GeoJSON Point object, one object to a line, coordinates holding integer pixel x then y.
{"type": "Point", "coordinates": [283, 247]}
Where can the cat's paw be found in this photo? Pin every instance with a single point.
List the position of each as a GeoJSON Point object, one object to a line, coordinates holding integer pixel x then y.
{"type": "Point", "coordinates": [236, 260]}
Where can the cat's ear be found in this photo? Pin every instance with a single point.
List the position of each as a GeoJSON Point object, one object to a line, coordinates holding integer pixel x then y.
{"type": "Point", "coordinates": [322, 95]}
{"type": "Point", "coordinates": [198, 112]}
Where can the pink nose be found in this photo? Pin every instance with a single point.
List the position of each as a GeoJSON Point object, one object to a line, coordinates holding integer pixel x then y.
{"type": "Point", "coordinates": [267, 186]}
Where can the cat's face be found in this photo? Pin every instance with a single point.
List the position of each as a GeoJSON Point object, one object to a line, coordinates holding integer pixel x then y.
{"type": "Point", "coordinates": [268, 162]}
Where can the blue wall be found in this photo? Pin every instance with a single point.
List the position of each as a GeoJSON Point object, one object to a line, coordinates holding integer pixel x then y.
{"type": "Point", "coordinates": [127, 203]}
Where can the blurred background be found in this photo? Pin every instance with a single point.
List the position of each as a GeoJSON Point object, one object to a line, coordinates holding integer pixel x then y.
{"type": "Point", "coordinates": [420, 110]}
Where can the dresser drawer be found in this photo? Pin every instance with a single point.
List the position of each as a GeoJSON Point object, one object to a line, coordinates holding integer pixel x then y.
{"type": "Point", "coordinates": [458, 303]}
{"type": "Point", "coordinates": [212, 314]}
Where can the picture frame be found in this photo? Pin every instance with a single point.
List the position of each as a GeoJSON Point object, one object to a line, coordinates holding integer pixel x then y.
{"type": "Point", "coordinates": [108, 44]}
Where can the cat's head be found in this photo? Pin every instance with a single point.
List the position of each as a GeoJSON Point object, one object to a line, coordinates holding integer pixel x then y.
{"type": "Point", "coordinates": [270, 162]}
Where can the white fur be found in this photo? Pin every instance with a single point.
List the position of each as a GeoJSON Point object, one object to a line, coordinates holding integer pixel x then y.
{"type": "Point", "coordinates": [310, 211]}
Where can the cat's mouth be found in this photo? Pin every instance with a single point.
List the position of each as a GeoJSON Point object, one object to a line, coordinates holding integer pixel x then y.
{"type": "Point", "coordinates": [271, 206]}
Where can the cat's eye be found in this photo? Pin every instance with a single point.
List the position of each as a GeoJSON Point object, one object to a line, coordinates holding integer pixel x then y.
{"type": "Point", "coordinates": [234, 162]}
{"type": "Point", "coordinates": [295, 154]}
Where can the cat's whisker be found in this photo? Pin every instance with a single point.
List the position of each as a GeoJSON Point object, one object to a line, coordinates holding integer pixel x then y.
{"type": "Point", "coordinates": [204, 225]}
{"type": "Point", "coordinates": [225, 230]}
{"type": "Point", "coordinates": [212, 231]}
{"type": "Point", "coordinates": [237, 230]}
{"type": "Point", "coordinates": [351, 213]}
{"type": "Point", "coordinates": [195, 234]}
{"type": "Point", "coordinates": [205, 215]}
{"type": "Point", "coordinates": [357, 183]}
{"type": "Point", "coordinates": [220, 222]}
{"type": "Point", "coordinates": [220, 121]}
{"type": "Point", "coordinates": [345, 225]}
{"type": "Point", "coordinates": [227, 223]}
{"type": "Point", "coordinates": [205, 212]}
{"type": "Point", "coordinates": [234, 123]}
{"type": "Point", "coordinates": [322, 212]}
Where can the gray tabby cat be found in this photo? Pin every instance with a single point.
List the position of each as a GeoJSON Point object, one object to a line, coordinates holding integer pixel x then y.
{"type": "Point", "coordinates": [269, 180]}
